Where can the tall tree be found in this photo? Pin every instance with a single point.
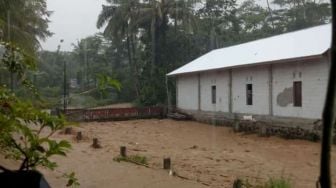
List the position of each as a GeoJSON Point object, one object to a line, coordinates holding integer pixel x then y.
{"type": "Point", "coordinates": [87, 51]}
{"type": "Point", "coordinates": [24, 23]}
{"type": "Point", "coordinates": [215, 21]}
{"type": "Point", "coordinates": [119, 18]}
{"type": "Point", "coordinates": [295, 14]}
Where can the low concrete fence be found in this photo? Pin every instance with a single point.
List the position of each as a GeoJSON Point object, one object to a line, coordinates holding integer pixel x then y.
{"type": "Point", "coordinates": [114, 114]}
{"type": "Point", "coordinates": [291, 128]}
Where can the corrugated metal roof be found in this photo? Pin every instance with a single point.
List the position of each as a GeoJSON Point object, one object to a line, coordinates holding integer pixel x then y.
{"type": "Point", "coordinates": [303, 43]}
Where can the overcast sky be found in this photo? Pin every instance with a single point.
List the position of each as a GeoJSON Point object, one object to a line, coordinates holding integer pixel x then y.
{"type": "Point", "coordinates": [71, 20]}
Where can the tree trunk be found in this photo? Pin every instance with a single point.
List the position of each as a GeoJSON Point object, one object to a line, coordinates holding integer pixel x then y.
{"type": "Point", "coordinates": [131, 63]}
{"type": "Point", "coordinates": [304, 11]}
{"type": "Point", "coordinates": [271, 15]}
{"type": "Point", "coordinates": [86, 64]}
{"type": "Point", "coordinates": [135, 67]}
{"type": "Point", "coordinates": [153, 36]}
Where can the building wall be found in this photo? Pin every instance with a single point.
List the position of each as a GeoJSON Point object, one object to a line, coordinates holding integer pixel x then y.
{"type": "Point", "coordinates": [220, 79]}
{"type": "Point", "coordinates": [187, 92]}
{"type": "Point", "coordinates": [313, 75]}
{"type": "Point", "coordinates": [257, 76]}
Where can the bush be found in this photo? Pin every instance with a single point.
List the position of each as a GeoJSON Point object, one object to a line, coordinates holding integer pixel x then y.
{"type": "Point", "coordinates": [137, 159]}
{"type": "Point", "coordinates": [313, 137]}
{"type": "Point", "coordinates": [51, 92]}
{"type": "Point", "coordinates": [271, 183]}
{"type": "Point", "coordinates": [278, 183]}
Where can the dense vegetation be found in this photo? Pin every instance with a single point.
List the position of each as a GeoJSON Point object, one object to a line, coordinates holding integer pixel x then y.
{"type": "Point", "coordinates": [144, 40]}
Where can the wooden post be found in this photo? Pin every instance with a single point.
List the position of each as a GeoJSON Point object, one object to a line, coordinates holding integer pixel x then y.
{"type": "Point", "coordinates": [68, 130]}
{"type": "Point", "coordinates": [262, 130]}
{"type": "Point", "coordinates": [237, 183]}
{"type": "Point", "coordinates": [236, 126]}
{"type": "Point", "coordinates": [123, 151]}
{"type": "Point", "coordinates": [166, 164]}
{"type": "Point", "coordinates": [95, 143]}
{"type": "Point", "coordinates": [79, 136]}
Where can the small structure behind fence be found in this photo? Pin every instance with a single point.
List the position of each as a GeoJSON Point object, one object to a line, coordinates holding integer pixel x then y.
{"type": "Point", "coordinates": [114, 114]}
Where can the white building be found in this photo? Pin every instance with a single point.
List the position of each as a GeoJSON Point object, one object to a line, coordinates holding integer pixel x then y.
{"type": "Point", "coordinates": [277, 78]}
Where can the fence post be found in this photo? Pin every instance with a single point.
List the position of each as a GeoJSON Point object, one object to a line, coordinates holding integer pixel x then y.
{"type": "Point", "coordinates": [123, 151]}
{"type": "Point", "coordinates": [167, 163]}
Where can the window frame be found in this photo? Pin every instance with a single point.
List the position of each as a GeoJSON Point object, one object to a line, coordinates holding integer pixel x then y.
{"type": "Point", "coordinates": [249, 94]}
{"type": "Point", "coordinates": [213, 94]}
{"type": "Point", "coordinates": [297, 93]}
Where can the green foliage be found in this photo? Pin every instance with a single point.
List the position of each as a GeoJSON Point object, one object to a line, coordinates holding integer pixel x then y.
{"type": "Point", "coordinates": [278, 183]}
{"type": "Point", "coordinates": [315, 137]}
{"type": "Point", "coordinates": [24, 23]}
{"type": "Point", "coordinates": [270, 183]}
{"type": "Point", "coordinates": [105, 82]}
{"type": "Point", "coordinates": [25, 131]}
{"type": "Point", "coordinates": [15, 60]}
{"type": "Point", "coordinates": [137, 159]}
{"type": "Point", "coordinates": [72, 180]}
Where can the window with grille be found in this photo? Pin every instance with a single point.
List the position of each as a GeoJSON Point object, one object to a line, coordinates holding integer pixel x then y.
{"type": "Point", "coordinates": [249, 94]}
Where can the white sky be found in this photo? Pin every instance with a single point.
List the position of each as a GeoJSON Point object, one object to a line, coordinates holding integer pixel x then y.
{"type": "Point", "coordinates": [71, 21]}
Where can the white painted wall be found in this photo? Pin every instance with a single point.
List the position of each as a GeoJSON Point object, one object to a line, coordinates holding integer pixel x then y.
{"type": "Point", "coordinates": [314, 76]}
{"type": "Point", "coordinates": [221, 80]}
{"type": "Point", "coordinates": [187, 88]}
{"type": "Point", "coordinates": [258, 77]}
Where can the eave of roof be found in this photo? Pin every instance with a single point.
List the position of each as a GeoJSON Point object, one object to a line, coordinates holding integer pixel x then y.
{"type": "Point", "coordinates": [300, 59]}
{"type": "Point", "coordinates": [310, 42]}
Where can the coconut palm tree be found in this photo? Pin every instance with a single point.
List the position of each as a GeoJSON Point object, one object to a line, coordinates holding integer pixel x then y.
{"type": "Point", "coordinates": [24, 23]}
{"type": "Point", "coordinates": [119, 17]}
{"type": "Point", "coordinates": [157, 13]}
{"type": "Point", "coordinates": [124, 20]}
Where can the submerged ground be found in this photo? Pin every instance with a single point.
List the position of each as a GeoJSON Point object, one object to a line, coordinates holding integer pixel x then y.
{"type": "Point", "coordinates": [206, 156]}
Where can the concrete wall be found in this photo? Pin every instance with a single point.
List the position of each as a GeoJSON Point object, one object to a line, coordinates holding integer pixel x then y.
{"type": "Point", "coordinates": [187, 92]}
{"type": "Point", "coordinates": [220, 79]}
{"type": "Point", "coordinates": [258, 77]}
{"type": "Point", "coordinates": [313, 75]}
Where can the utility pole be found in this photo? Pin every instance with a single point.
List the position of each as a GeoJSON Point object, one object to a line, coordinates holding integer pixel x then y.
{"type": "Point", "coordinates": [86, 63]}
{"type": "Point", "coordinates": [64, 76]}
{"type": "Point", "coordinates": [65, 86]}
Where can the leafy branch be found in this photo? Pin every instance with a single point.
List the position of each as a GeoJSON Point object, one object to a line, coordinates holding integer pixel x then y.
{"type": "Point", "coordinates": [26, 131]}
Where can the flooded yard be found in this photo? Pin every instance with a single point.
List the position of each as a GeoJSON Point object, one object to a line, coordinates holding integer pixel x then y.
{"type": "Point", "coordinates": [203, 155]}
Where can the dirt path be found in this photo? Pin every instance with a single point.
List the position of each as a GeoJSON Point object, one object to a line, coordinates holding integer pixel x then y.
{"type": "Point", "coordinates": [206, 155]}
